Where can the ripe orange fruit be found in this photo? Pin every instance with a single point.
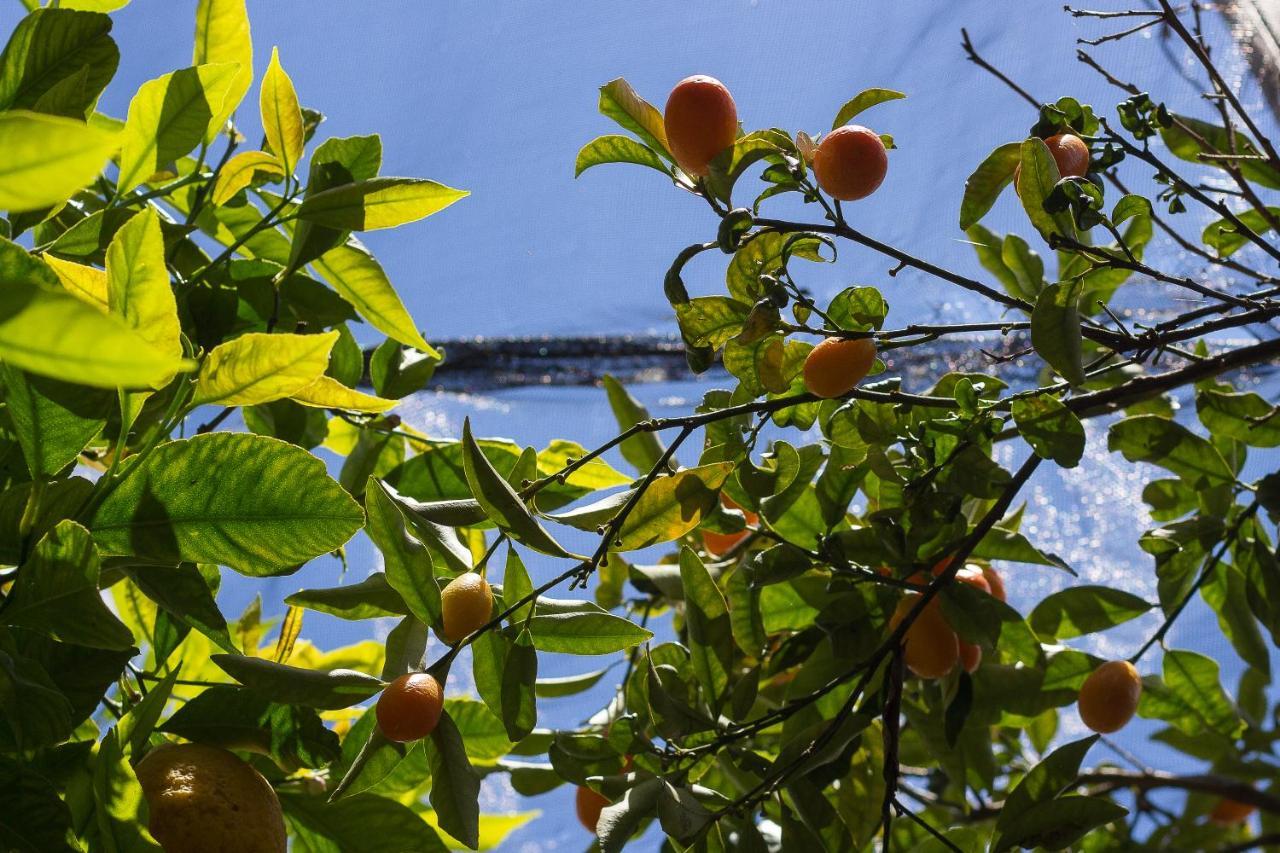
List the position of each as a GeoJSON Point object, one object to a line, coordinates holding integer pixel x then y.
{"type": "Point", "coordinates": [932, 648]}
{"type": "Point", "coordinates": [719, 544]}
{"type": "Point", "coordinates": [590, 803]}
{"type": "Point", "coordinates": [202, 799]}
{"type": "Point", "coordinates": [410, 707]}
{"type": "Point", "coordinates": [701, 121]}
{"type": "Point", "coordinates": [1070, 153]}
{"type": "Point", "coordinates": [836, 365]}
{"type": "Point", "coordinates": [970, 656]}
{"type": "Point", "coordinates": [1228, 812]}
{"type": "Point", "coordinates": [466, 604]}
{"type": "Point", "coordinates": [1109, 696]}
{"type": "Point", "coordinates": [850, 162]}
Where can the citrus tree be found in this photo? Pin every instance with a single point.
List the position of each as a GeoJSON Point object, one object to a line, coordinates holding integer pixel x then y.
{"type": "Point", "coordinates": [843, 671]}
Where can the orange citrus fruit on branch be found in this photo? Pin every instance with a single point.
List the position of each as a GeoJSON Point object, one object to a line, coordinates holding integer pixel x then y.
{"type": "Point", "coordinates": [590, 803]}
{"type": "Point", "coordinates": [202, 799]}
{"type": "Point", "coordinates": [719, 544]}
{"type": "Point", "coordinates": [931, 647]}
{"type": "Point", "coordinates": [1109, 696]}
{"type": "Point", "coordinates": [466, 604]}
{"type": "Point", "coordinates": [410, 707]}
{"type": "Point", "coordinates": [1228, 812]}
{"type": "Point", "coordinates": [1070, 153]}
{"type": "Point", "coordinates": [836, 365]}
{"type": "Point", "coordinates": [850, 163]}
{"type": "Point", "coordinates": [701, 120]}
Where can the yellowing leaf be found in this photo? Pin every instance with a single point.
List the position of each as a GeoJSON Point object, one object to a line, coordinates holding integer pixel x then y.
{"type": "Point", "coordinates": [258, 368]}
{"type": "Point", "coordinates": [378, 203]}
{"type": "Point", "coordinates": [47, 158]}
{"type": "Point", "coordinates": [672, 506]}
{"type": "Point", "coordinates": [239, 171]}
{"type": "Point", "coordinates": [359, 278]}
{"type": "Point", "coordinates": [222, 35]}
{"type": "Point", "coordinates": [56, 334]}
{"type": "Point", "coordinates": [281, 114]}
{"type": "Point", "coordinates": [328, 393]}
{"type": "Point", "coordinates": [138, 289]}
{"type": "Point", "coordinates": [168, 117]}
{"type": "Point", "coordinates": [84, 282]}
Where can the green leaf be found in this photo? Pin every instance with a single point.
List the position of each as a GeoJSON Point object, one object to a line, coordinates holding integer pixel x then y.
{"type": "Point", "coordinates": [281, 114]}
{"type": "Point", "coordinates": [1045, 782]}
{"type": "Point", "coordinates": [1226, 593]}
{"type": "Point", "coordinates": [54, 48]}
{"type": "Point", "coordinates": [291, 685]}
{"type": "Point", "coordinates": [48, 158]}
{"type": "Point", "coordinates": [672, 506]}
{"type": "Point", "coordinates": [222, 35]}
{"type": "Point", "coordinates": [1052, 430]}
{"type": "Point", "coordinates": [861, 101]}
{"type": "Point", "coordinates": [1055, 330]}
{"type": "Point", "coordinates": [619, 821]}
{"type": "Point", "coordinates": [567, 685]}
{"type": "Point", "coordinates": [259, 367]}
{"type": "Point", "coordinates": [168, 117]}
{"type": "Point", "coordinates": [617, 149]}
{"type": "Point", "coordinates": [858, 309]}
{"type": "Point", "coordinates": [1244, 417]}
{"type": "Point", "coordinates": [371, 598]}
{"type": "Point", "coordinates": [57, 594]}
{"type": "Point", "coordinates": [1025, 265]}
{"type": "Point", "coordinates": [378, 203]}
{"type": "Point", "coordinates": [727, 166]}
{"type": "Point", "coordinates": [1037, 177]}
{"type": "Point", "coordinates": [990, 250]}
{"type": "Point", "coordinates": [1081, 610]}
{"type": "Point", "coordinates": [455, 785]}
{"type": "Point", "coordinates": [360, 279]}
{"type": "Point", "coordinates": [36, 818]}
{"type": "Point", "coordinates": [53, 420]}
{"type": "Point", "coordinates": [241, 171]}
{"type": "Point", "coordinates": [270, 507]}
{"type": "Point", "coordinates": [120, 812]}
{"type": "Point", "coordinates": [335, 163]}
{"type": "Point", "coordinates": [408, 563]}
{"type": "Point", "coordinates": [1193, 680]}
{"type": "Point", "coordinates": [138, 289]}
{"type": "Point", "coordinates": [36, 711]}
{"type": "Point", "coordinates": [1059, 824]}
{"type": "Point", "coordinates": [1223, 237]}
{"type": "Point", "coordinates": [710, 632]}
{"type": "Point", "coordinates": [598, 633]}
{"type": "Point", "coordinates": [501, 503]}
{"type": "Point", "coordinates": [184, 593]}
{"type": "Point", "coordinates": [519, 672]}
{"type": "Point", "coordinates": [233, 718]}
{"type": "Point", "coordinates": [1163, 442]}
{"type": "Point", "coordinates": [620, 102]}
{"type": "Point", "coordinates": [364, 822]}
{"type": "Point", "coordinates": [644, 449]}
{"type": "Point", "coordinates": [1183, 135]}
{"type": "Point", "coordinates": [710, 320]}
{"type": "Point", "coordinates": [987, 182]}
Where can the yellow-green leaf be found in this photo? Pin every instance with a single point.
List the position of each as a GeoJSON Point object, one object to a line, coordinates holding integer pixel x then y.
{"type": "Point", "coordinates": [85, 282]}
{"type": "Point", "coordinates": [56, 334]}
{"type": "Point", "coordinates": [359, 278]}
{"type": "Point", "coordinates": [138, 289]}
{"type": "Point", "coordinates": [239, 172]}
{"type": "Point", "coordinates": [47, 158]}
{"type": "Point", "coordinates": [222, 35]}
{"type": "Point", "coordinates": [328, 393]}
{"type": "Point", "coordinates": [378, 203]}
{"type": "Point", "coordinates": [258, 368]}
{"type": "Point", "coordinates": [168, 117]}
{"type": "Point", "coordinates": [281, 114]}
{"type": "Point", "coordinates": [672, 506]}
{"type": "Point", "coordinates": [621, 103]}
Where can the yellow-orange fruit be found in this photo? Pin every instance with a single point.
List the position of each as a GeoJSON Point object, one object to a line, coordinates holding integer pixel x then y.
{"type": "Point", "coordinates": [701, 120]}
{"type": "Point", "coordinates": [590, 803]}
{"type": "Point", "coordinates": [1228, 812]}
{"type": "Point", "coordinates": [1109, 696]}
{"type": "Point", "coordinates": [836, 365]}
{"type": "Point", "coordinates": [973, 576]}
{"type": "Point", "coordinates": [466, 604]}
{"type": "Point", "coordinates": [719, 544]}
{"type": "Point", "coordinates": [202, 799]}
{"type": "Point", "coordinates": [1070, 153]}
{"type": "Point", "coordinates": [994, 582]}
{"type": "Point", "coordinates": [850, 162]}
{"type": "Point", "coordinates": [931, 647]}
{"type": "Point", "coordinates": [409, 708]}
